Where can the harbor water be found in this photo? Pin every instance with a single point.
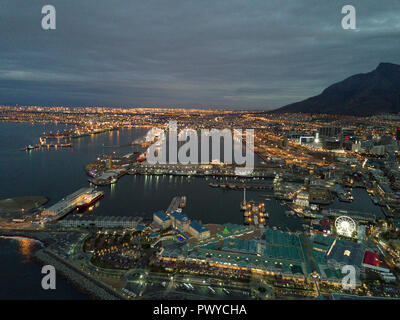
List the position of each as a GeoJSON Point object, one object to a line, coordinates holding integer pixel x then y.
{"type": "Point", "coordinates": [55, 173]}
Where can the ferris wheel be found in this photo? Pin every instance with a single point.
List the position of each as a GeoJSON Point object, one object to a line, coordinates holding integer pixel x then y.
{"type": "Point", "coordinates": [345, 226]}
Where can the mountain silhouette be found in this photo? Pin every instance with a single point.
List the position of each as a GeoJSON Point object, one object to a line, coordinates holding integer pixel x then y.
{"type": "Point", "coordinates": [362, 94]}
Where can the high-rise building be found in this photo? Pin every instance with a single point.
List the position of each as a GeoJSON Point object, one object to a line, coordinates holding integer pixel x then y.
{"type": "Point", "coordinates": [398, 134]}
{"type": "Point", "coordinates": [347, 133]}
{"type": "Point", "coordinates": [329, 131]}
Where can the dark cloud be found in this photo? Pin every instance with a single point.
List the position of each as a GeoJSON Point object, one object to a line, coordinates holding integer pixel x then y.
{"type": "Point", "coordinates": [219, 53]}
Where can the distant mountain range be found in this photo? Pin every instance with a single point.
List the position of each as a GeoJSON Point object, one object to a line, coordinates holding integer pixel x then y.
{"type": "Point", "coordinates": [363, 94]}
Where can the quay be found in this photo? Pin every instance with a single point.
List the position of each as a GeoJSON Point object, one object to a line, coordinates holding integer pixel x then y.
{"type": "Point", "coordinates": [198, 170]}
{"type": "Point", "coordinates": [108, 177]}
{"type": "Point", "coordinates": [67, 204]}
{"type": "Point", "coordinates": [242, 186]}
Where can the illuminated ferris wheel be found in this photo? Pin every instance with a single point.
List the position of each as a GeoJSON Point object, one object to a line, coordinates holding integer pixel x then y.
{"type": "Point", "coordinates": [345, 226]}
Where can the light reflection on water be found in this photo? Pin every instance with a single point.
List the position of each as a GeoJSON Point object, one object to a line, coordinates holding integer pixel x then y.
{"type": "Point", "coordinates": [25, 247]}
{"type": "Point", "coordinates": [47, 174]}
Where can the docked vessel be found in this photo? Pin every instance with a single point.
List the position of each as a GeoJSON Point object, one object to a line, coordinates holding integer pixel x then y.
{"type": "Point", "coordinates": [79, 135]}
{"type": "Point", "coordinates": [90, 199]}
{"type": "Point", "coordinates": [141, 158]}
{"type": "Point", "coordinates": [66, 145]}
{"type": "Point", "coordinates": [30, 147]}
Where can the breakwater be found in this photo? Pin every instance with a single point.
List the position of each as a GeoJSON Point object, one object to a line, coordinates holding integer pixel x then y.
{"type": "Point", "coordinates": [85, 282]}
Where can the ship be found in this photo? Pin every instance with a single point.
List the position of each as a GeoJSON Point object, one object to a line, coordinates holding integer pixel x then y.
{"type": "Point", "coordinates": [90, 199]}
{"type": "Point", "coordinates": [141, 158]}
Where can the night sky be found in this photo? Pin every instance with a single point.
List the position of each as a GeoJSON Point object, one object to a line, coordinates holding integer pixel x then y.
{"type": "Point", "coordinates": [182, 53]}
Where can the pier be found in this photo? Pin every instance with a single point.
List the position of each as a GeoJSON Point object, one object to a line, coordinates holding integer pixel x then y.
{"type": "Point", "coordinates": [242, 186]}
{"type": "Point", "coordinates": [67, 204]}
{"type": "Point", "coordinates": [176, 204]}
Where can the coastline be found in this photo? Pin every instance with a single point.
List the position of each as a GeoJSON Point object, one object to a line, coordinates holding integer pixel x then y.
{"type": "Point", "coordinates": [83, 282]}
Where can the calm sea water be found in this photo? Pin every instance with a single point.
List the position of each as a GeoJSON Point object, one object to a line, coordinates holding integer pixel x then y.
{"type": "Point", "coordinates": [56, 173]}
{"type": "Point", "coordinates": [20, 276]}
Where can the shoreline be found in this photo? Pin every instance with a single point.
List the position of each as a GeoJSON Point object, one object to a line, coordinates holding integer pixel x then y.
{"type": "Point", "coordinates": [80, 280]}
{"type": "Point", "coordinates": [90, 286]}
{"type": "Point", "coordinates": [24, 238]}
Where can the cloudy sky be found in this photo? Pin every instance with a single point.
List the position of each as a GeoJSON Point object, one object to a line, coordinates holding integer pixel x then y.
{"type": "Point", "coordinates": [205, 53]}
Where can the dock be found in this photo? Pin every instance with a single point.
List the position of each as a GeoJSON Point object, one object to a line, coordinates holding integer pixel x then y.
{"type": "Point", "coordinates": [108, 177]}
{"type": "Point", "coordinates": [198, 170]}
{"type": "Point", "coordinates": [67, 204]}
{"type": "Point", "coordinates": [177, 203]}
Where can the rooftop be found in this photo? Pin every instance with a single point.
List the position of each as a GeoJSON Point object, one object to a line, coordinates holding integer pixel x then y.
{"type": "Point", "coordinates": [162, 215]}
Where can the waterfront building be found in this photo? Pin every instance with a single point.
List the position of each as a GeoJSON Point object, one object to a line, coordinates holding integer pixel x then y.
{"type": "Point", "coordinates": [162, 219]}
{"type": "Point", "coordinates": [319, 195]}
{"type": "Point", "coordinates": [302, 199]}
{"type": "Point", "coordinates": [279, 254]}
{"type": "Point", "coordinates": [198, 231]}
{"type": "Point", "coordinates": [385, 191]}
{"type": "Point", "coordinates": [67, 204]}
{"type": "Point", "coordinates": [180, 221]}
{"type": "Point", "coordinates": [100, 222]}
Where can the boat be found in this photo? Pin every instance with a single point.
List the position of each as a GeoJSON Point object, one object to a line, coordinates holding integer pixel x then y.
{"type": "Point", "coordinates": [66, 145]}
{"type": "Point", "coordinates": [90, 199]}
{"type": "Point", "coordinates": [79, 135]}
{"type": "Point", "coordinates": [30, 147]}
